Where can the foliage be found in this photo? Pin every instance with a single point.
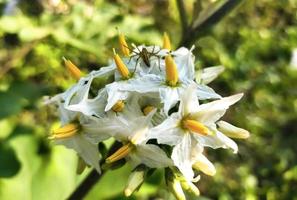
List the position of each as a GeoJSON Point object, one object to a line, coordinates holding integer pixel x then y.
{"type": "Point", "coordinates": [254, 43]}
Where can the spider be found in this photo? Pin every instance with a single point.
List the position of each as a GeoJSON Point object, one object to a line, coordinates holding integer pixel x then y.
{"type": "Point", "coordinates": [145, 55]}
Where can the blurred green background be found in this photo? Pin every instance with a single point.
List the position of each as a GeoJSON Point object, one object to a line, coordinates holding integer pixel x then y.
{"type": "Point", "coordinates": [255, 43]}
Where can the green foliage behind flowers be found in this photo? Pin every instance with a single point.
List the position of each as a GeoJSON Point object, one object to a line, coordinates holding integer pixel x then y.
{"type": "Point", "coordinates": [254, 43]}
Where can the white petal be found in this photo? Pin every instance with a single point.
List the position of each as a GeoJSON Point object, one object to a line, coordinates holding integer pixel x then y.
{"type": "Point", "coordinates": [91, 107]}
{"type": "Point", "coordinates": [228, 143]}
{"type": "Point", "coordinates": [151, 155]}
{"type": "Point", "coordinates": [181, 156]}
{"type": "Point", "coordinates": [208, 74]}
{"type": "Point", "coordinates": [211, 112]}
{"type": "Point", "coordinates": [139, 128]}
{"type": "Point", "coordinates": [145, 84]}
{"type": "Point", "coordinates": [115, 94]}
{"type": "Point", "coordinates": [169, 96]}
{"type": "Point", "coordinates": [184, 60]}
{"type": "Point", "coordinates": [189, 101]}
{"type": "Point", "coordinates": [217, 140]}
{"type": "Point", "coordinates": [86, 150]}
{"type": "Point", "coordinates": [99, 129]}
{"type": "Point", "coordinates": [168, 132]}
{"type": "Point", "coordinates": [205, 92]}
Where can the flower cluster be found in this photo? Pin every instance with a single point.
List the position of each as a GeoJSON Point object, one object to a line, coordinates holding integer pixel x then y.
{"type": "Point", "coordinates": [150, 105]}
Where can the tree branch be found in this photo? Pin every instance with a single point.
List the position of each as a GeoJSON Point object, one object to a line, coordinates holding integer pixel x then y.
{"type": "Point", "coordinates": [87, 184]}
{"type": "Point", "coordinates": [82, 190]}
{"type": "Point", "coordinates": [183, 16]}
{"type": "Point", "coordinates": [207, 19]}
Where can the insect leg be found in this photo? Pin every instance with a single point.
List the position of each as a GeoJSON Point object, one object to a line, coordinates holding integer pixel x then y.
{"type": "Point", "coordinates": [136, 65]}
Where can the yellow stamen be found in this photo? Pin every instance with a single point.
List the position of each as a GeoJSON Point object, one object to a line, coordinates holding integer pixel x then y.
{"type": "Point", "coordinates": [166, 41]}
{"type": "Point", "coordinates": [120, 153]}
{"type": "Point", "coordinates": [121, 66]}
{"type": "Point", "coordinates": [195, 126]}
{"type": "Point", "coordinates": [66, 131]}
{"type": "Point", "coordinates": [73, 69]}
{"type": "Point", "coordinates": [118, 106]}
{"type": "Point", "coordinates": [123, 45]}
{"type": "Point", "coordinates": [146, 110]}
{"type": "Point", "coordinates": [171, 71]}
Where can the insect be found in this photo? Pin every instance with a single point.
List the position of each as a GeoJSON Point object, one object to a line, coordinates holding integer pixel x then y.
{"type": "Point", "coordinates": [145, 55]}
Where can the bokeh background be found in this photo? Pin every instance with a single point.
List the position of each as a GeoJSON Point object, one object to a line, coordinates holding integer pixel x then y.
{"type": "Point", "coordinates": [255, 42]}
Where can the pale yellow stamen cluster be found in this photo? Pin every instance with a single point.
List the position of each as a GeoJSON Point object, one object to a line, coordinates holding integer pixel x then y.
{"type": "Point", "coordinates": [171, 71]}
{"type": "Point", "coordinates": [195, 126]}
{"type": "Point", "coordinates": [120, 153]}
{"type": "Point", "coordinates": [73, 69]}
{"type": "Point", "coordinates": [122, 68]}
{"type": "Point", "coordinates": [118, 106]}
{"type": "Point", "coordinates": [66, 131]}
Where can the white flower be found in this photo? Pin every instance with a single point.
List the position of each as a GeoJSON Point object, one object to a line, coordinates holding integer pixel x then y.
{"type": "Point", "coordinates": [193, 127]}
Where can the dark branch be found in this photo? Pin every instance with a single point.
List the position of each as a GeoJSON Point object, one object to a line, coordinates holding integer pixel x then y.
{"type": "Point", "coordinates": [207, 20]}
{"type": "Point", "coordinates": [87, 184]}
{"type": "Point", "coordinates": [183, 16]}
{"type": "Point", "coordinates": [82, 190]}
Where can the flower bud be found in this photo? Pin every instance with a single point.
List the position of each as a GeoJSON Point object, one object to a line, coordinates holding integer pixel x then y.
{"type": "Point", "coordinates": [232, 131]}
{"type": "Point", "coordinates": [190, 187]}
{"type": "Point", "coordinates": [176, 189]}
{"type": "Point", "coordinates": [136, 178]}
{"type": "Point", "coordinates": [204, 165]}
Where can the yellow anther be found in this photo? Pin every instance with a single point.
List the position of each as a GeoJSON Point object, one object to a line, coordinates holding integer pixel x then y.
{"type": "Point", "coordinates": [122, 68]}
{"type": "Point", "coordinates": [73, 69]}
{"type": "Point", "coordinates": [66, 131]}
{"type": "Point", "coordinates": [118, 106]}
{"type": "Point", "coordinates": [123, 45]}
{"type": "Point", "coordinates": [195, 126]}
{"type": "Point", "coordinates": [166, 41]}
{"type": "Point", "coordinates": [171, 71]}
{"type": "Point", "coordinates": [120, 153]}
{"type": "Point", "coordinates": [146, 110]}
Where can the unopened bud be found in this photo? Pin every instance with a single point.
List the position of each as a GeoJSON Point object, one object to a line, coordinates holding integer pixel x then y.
{"type": "Point", "coordinates": [232, 131]}
{"type": "Point", "coordinates": [136, 178]}
{"type": "Point", "coordinates": [176, 189]}
{"type": "Point", "coordinates": [190, 187]}
{"type": "Point", "coordinates": [204, 165]}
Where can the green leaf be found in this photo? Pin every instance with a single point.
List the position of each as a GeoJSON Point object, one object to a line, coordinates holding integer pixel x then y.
{"type": "Point", "coordinates": [10, 164]}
